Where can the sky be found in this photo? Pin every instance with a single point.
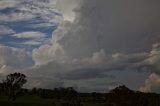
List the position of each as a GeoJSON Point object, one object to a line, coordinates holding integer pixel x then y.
{"type": "Point", "coordinates": [91, 45]}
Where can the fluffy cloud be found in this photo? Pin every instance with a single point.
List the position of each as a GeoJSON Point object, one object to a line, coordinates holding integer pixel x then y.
{"type": "Point", "coordinates": [95, 41]}
{"type": "Point", "coordinates": [8, 3]}
{"type": "Point", "coordinates": [91, 69]}
{"type": "Point", "coordinates": [27, 17]}
{"type": "Point", "coordinates": [29, 35]}
{"type": "Point", "coordinates": [54, 52]}
{"type": "Point", "coordinates": [5, 30]}
{"type": "Point", "coordinates": [114, 31]}
{"type": "Point", "coordinates": [21, 10]}
{"type": "Point", "coordinates": [67, 8]}
{"type": "Point", "coordinates": [69, 70]}
{"type": "Point", "coordinates": [153, 63]}
{"type": "Point", "coordinates": [30, 43]}
{"type": "Point", "coordinates": [12, 59]}
{"type": "Point", "coordinates": [152, 84]}
{"type": "Point", "coordinates": [33, 38]}
{"type": "Point", "coordinates": [93, 29]}
{"type": "Point", "coordinates": [48, 54]}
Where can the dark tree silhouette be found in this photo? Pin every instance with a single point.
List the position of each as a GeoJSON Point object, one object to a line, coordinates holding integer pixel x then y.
{"type": "Point", "coordinates": [13, 84]}
{"type": "Point", "coordinates": [121, 89]}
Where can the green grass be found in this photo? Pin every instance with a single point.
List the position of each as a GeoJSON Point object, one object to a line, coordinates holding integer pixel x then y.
{"type": "Point", "coordinates": [35, 101]}
{"type": "Point", "coordinates": [26, 101]}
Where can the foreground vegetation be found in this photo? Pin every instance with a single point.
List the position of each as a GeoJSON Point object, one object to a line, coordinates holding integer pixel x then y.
{"type": "Point", "coordinates": [25, 101]}
{"type": "Point", "coordinates": [38, 101]}
{"type": "Point", "coordinates": [120, 96]}
{"type": "Point", "coordinates": [12, 94]}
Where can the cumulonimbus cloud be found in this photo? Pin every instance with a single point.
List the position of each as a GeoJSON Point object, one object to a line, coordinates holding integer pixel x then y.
{"type": "Point", "coordinates": [104, 35]}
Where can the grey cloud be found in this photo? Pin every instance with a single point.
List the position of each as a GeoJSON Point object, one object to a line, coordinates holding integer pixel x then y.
{"type": "Point", "coordinates": [9, 55]}
{"type": "Point", "coordinates": [112, 26]}
{"type": "Point", "coordinates": [95, 66]}
{"type": "Point", "coordinates": [105, 35]}
{"type": "Point", "coordinates": [43, 83]}
{"type": "Point", "coordinates": [152, 62]}
{"type": "Point", "coordinates": [80, 74]}
{"type": "Point", "coordinates": [12, 59]}
{"type": "Point", "coordinates": [93, 85]}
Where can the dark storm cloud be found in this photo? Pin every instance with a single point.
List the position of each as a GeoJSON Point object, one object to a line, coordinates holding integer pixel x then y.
{"type": "Point", "coordinates": [115, 26]}
{"type": "Point", "coordinates": [80, 74]}
{"type": "Point", "coordinates": [106, 34]}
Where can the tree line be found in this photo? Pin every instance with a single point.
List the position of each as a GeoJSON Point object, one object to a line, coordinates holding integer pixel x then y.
{"type": "Point", "coordinates": [12, 86]}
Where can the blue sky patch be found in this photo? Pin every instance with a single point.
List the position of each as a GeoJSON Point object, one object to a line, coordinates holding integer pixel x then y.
{"type": "Point", "coordinates": [27, 17]}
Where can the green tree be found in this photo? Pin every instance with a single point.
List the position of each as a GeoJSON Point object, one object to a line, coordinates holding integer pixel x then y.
{"type": "Point", "coordinates": [13, 84]}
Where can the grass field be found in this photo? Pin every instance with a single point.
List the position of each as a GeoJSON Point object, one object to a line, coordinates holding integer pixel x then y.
{"type": "Point", "coordinates": [36, 101]}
